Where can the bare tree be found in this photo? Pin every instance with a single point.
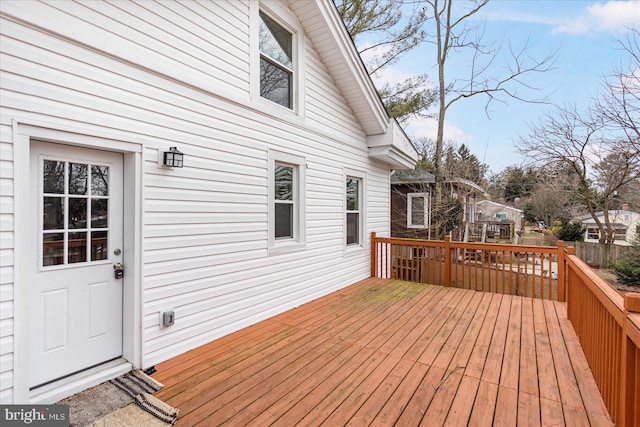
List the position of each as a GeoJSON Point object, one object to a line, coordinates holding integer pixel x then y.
{"type": "Point", "coordinates": [600, 145]}
{"type": "Point", "coordinates": [453, 36]}
{"type": "Point", "coordinates": [567, 138]}
{"type": "Point", "coordinates": [619, 104]}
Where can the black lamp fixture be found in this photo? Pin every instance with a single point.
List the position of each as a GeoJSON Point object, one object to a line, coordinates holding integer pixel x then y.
{"type": "Point", "coordinates": [172, 158]}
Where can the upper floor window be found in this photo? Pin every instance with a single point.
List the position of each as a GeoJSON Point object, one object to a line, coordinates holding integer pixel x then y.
{"type": "Point", "coordinates": [276, 62]}
{"type": "Point", "coordinates": [417, 210]}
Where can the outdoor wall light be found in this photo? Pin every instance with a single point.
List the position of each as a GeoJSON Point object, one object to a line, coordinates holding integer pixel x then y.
{"type": "Point", "coordinates": [172, 158]}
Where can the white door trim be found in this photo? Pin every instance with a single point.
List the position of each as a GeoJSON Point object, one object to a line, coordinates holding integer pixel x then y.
{"type": "Point", "coordinates": [23, 133]}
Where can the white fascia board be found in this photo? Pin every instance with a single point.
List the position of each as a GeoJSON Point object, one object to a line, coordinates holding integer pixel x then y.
{"type": "Point", "coordinates": [393, 147]}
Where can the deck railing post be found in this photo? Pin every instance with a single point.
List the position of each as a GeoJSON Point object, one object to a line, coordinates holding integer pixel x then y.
{"type": "Point", "coordinates": [374, 254]}
{"type": "Point", "coordinates": [570, 251]}
{"type": "Point", "coordinates": [561, 272]}
{"type": "Point", "coordinates": [447, 261]}
{"type": "Point", "coordinates": [628, 365]}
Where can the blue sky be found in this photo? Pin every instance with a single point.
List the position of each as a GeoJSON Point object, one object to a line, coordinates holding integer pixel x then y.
{"type": "Point", "coordinates": [583, 32]}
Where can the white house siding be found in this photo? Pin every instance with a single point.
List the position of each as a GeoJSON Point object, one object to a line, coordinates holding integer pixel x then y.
{"type": "Point", "coordinates": [177, 73]}
{"type": "Point", "coordinates": [6, 264]}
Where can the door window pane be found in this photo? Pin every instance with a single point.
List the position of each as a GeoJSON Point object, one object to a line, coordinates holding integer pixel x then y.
{"type": "Point", "coordinates": [53, 213]}
{"type": "Point", "coordinates": [77, 247]}
{"type": "Point", "coordinates": [77, 212]}
{"type": "Point", "coordinates": [99, 213]}
{"type": "Point", "coordinates": [53, 249]}
{"type": "Point", "coordinates": [99, 180]}
{"type": "Point", "coordinates": [53, 177]}
{"type": "Point", "coordinates": [99, 245]}
{"type": "Point", "coordinates": [77, 178]}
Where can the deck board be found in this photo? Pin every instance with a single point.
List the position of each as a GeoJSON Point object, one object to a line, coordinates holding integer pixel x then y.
{"type": "Point", "coordinates": [384, 352]}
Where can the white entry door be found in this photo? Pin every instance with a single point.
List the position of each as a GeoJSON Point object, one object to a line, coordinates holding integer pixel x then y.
{"type": "Point", "coordinates": [77, 235]}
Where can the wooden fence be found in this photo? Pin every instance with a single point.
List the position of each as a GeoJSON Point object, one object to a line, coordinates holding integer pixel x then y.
{"type": "Point", "coordinates": [597, 254]}
{"type": "Point", "coordinates": [607, 323]}
{"type": "Point", "coordinates": [608, 326]}
{"type": "Point", "coordinates": [502, 268]}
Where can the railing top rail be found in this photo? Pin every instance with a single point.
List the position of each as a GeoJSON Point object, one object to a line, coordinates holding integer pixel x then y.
{"type": "Point", "coordinates": [609, 297]}
{"type": "Point", "coordinates": [504, 247]}
{"type": "Point", "coordinates": [469, 245]}
{"type": "Point", "coordinates": [415, 242]}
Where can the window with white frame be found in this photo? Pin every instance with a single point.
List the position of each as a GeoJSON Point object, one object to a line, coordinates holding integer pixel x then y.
{"type": "Point", "coordinates": [353, 210]}
{"type": "Point", "coordinates": [417, 210]}
{"type": "Point", "coordinates": [284, 200]}
{"type": "Point", "coordinates": [620, 233]}
{"type": "Point", "coordinates": [276, 62]}
{"type": "Point", "coordinates": [286, 205]}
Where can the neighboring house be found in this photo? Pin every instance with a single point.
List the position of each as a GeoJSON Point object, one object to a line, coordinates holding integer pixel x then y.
{"type": "Point", "coordinates": [625, 222]}
{"type": "Point", "coordinates": [412, 203]}
{"type": "Point", "coordinates": [112, 259]}
{"type": "Point", "coordinates": [495, 221]}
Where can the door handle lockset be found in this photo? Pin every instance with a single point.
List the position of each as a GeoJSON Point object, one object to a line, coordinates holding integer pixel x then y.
{"type": "Point", "coordinates": [118, 269]}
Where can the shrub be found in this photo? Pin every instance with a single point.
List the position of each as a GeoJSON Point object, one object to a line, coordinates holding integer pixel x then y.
{"type": "Point", "coordinates": [572, 232]}
{"type": "Point", "coordinates": [628, 270]}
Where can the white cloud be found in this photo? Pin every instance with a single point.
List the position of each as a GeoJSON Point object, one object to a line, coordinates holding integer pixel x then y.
{"type": "Point", "coordinates": [514, 16]}
{"type": "Point", "coordinates": [610, 16]}
{"type": "Point", "coordinates": [391, 75]}
{"type": "Point", "coordinates": [428, 128]}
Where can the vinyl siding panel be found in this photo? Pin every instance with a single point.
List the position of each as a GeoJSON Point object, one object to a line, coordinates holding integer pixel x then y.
{"type": "Point", "coordinates": [180, 76]}
{"type": "Point", "coordinates": [6, 264]}
{"type": "Point", "coordinates": [325, 104]}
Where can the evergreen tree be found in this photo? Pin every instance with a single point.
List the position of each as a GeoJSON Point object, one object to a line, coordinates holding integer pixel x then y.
{"type": "Point", "coordinates": [628, 270]}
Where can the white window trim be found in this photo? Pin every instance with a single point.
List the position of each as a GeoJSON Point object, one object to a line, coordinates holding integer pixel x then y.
{"type": "Point", "coordinates": [362, 202]}
{"type": "Point", "coordinates": [427, 216]}
{"type": "Point", "coordinates": [299, 212]}
{"type": "Point", "coordinates": [285, 18]}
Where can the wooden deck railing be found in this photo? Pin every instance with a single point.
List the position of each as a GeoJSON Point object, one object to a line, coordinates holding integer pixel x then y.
{"type": "Point", "coordinates": [608, 326]}
{"type": "Point", "coordinates": [502, 268]}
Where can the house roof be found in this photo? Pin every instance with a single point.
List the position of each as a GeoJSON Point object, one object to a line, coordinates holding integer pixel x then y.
{"type": "Point", "coordinates": [613, 224]}
{"type": "Point", "coordinates": [412, 177]}
{"type": "Point", "coordinates": [326, 31]}
{"type": "Point", "coordinates": [500, 205]}
{"type": "Point", "coordinates": [612, 215]}
{"type": "Point", "coordinates": [421, 177]}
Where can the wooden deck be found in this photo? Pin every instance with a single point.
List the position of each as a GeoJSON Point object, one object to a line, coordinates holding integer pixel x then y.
{"type": "Point", "coordinates": [387, 352]}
